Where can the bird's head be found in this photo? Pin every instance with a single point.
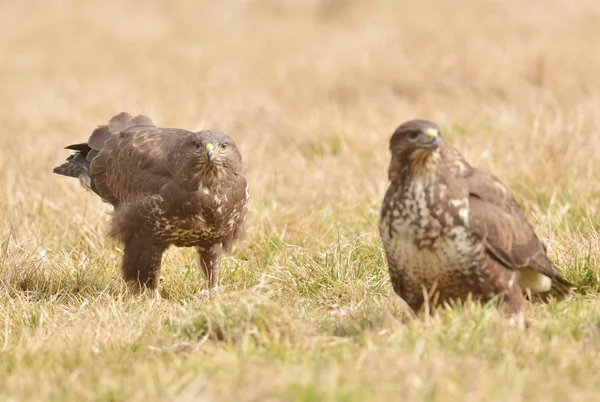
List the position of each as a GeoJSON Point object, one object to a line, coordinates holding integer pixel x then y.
{"type": "Point", "coordinates": [413, 143]}
{"type": "Point", "coordinates": [215, 151]}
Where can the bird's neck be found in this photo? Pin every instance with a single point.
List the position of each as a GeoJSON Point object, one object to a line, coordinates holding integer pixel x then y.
{"type": "Point", "coordinates": [422, 166]}
{"type": "Point", "coordinates": [210, 176]}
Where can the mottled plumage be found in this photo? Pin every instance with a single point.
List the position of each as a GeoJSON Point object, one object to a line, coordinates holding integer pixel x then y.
{"type": "Point", "coordinates": [168, 187]}
{"type": "Point", "coordinates": [452, 231]}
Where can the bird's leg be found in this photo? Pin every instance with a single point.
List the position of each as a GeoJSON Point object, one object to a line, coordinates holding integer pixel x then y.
{"type": "Point", "coordinates": [141, 262]}
{"type": "Point", "coordinates": [512, 303]}
{"type": "Point", "coordinates": [210, 262]}
{"type": "Point", "coordinates": [498, 280]}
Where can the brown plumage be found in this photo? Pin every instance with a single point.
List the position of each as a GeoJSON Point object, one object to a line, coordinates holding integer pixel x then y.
{"type": "Point", "coordinates": [451, 230]}
{"type": "Point", "coordinates": [168, 187]}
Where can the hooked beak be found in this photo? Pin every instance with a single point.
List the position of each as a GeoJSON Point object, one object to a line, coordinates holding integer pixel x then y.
{"type": "Point", "coordinates": [430, 139]}
{"type": "Point", "coordinates": [209, 151]}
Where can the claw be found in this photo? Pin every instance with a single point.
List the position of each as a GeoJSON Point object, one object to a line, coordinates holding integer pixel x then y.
{"type": "Point", "coordinates": [207, 294]}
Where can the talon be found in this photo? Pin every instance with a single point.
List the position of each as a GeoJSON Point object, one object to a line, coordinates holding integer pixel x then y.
{"type": "Point", "coordinates": [207, 294]}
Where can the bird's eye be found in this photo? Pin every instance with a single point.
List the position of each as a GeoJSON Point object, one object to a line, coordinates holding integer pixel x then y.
{"type": "Point", "coordinates": [223, 147]}
{"type": "Point", "coordinates": [413, 135]}
{"type": "Point", "coordinates": [197, 145]}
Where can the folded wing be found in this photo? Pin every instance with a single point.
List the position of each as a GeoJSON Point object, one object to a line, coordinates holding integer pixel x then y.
{"type": "Point", "coordinates": [508, 236]}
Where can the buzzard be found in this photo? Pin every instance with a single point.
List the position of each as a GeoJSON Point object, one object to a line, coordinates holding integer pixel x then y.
{"type": "Point", "coordinates": [168, 187]}
{"type": "Point", "coordinates": [452, 231]}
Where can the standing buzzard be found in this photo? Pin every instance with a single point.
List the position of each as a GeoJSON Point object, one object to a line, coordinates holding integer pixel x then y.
{"type": "Point", "coordinates": [168, 186]}
{"type": "Point", "coordinates": [452, 231]}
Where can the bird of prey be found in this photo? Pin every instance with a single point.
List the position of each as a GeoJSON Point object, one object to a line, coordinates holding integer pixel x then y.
{"type": "Point", "coordinates": [452, 231]}
{"type": "Point", "coordinates": [168, 187]}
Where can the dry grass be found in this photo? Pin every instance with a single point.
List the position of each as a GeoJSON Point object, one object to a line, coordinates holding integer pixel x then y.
{"type": "Point", "coordinates": [311, 91]}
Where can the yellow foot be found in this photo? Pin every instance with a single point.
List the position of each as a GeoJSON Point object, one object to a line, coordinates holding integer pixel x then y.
{"type": "Point", "coordinates": [207, 294]}
{"type": "Point", "coordinates": [517, 320]}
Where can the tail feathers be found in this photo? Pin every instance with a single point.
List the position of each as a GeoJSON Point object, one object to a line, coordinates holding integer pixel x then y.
{"type": "Point", "coordinates": [69, 169]}
{"type": "Point", "coordinates": [561, 287]}
{"type": "Point", "coordinates": [79, 167]}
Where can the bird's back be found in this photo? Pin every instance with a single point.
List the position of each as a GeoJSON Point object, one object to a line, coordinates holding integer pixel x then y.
{"type": "Point", "coordinates": [124, 159]}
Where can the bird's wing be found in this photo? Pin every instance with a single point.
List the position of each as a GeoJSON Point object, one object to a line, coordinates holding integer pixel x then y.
{"type": "Point", "coordinates": [124, 120]}
{"type": "Point", "coordinates": [116, 124]}
{"type": "Point", "coordinates": [133, 161]}
{"type": "Point", "coordinates": [240, 228]}
{"type": "Point", "coordinates": [241, 195]}
{"type": "Point", "coordinates": [497, 218]}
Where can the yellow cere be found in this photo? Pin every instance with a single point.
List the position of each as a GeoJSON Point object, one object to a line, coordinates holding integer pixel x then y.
{"type": "Point", "coordinates": [210, 147]}
{"type": "Point", "coordinates": [431, 132]}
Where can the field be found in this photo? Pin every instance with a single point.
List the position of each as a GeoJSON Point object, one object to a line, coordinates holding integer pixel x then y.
{"type": "Point", "coordinates": [311, 91]}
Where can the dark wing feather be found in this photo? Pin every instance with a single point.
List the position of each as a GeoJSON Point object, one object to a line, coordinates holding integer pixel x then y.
{"type": "Point", "coordinates": [99, 136]}
{"type": "Point", "coordinates": [79, 147]}
{"type": "Point", "coordinates": [124, 120]}
{"type": "Point", "coordinates": [141, 120]}
{"type": "Point", "coordinates": [508, 238]}
{"type": "Point", "coordinates": [118, 122]}
{"type": "Point", "coordinates": [488, 188]}
{"type": "Point", "coordinates": [134, 162]}
{"type": "Point", "coordinates": [122, 159]}
{"type": "Point", "coordinates": [495, 216]}
{"type": "Point", "coordinates": [240, 228]}
{"type": "Point", "coordinates": [242, 194]}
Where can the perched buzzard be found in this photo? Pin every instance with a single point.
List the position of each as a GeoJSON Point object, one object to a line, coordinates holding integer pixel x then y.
{"type": "Point", "coordinates": [168, 186]}
{"type": "Point", "coordinates": [451, 230]}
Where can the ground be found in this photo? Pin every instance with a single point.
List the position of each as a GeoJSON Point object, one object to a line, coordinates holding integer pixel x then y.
{"type": "Point", "coordinates": [311, 91]}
